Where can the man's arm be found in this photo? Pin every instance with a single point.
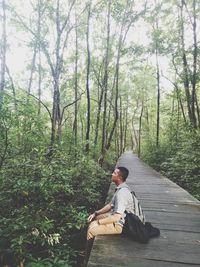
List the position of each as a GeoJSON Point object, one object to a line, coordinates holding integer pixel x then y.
{"type": "Point", "coordinates": [111, 219]}
{"type": "Point", "coordinates": [105, 209]}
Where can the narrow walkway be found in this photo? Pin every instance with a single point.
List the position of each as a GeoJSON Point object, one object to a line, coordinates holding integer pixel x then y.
{"type": "Point", "coordinates": [166, 205]}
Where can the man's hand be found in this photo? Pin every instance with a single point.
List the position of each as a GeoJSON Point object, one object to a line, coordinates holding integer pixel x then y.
{"type": "Point", "coordinates": [91, 217]}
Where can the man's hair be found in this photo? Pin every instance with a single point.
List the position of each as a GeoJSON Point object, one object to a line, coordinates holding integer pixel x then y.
{"type": "Point", "coordinates": [123, 172]}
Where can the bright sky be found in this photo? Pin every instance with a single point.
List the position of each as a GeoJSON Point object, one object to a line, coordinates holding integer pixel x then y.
{"type": "Point", "coordinates": [18, 56]}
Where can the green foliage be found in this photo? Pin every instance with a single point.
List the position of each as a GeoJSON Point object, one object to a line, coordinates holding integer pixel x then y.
{"type": "Point", "coordinates": [183, 165]}
{"type": "Point", "coordinates": [44, 201]}
{"type": "Point", "coordinates": [177, 157]}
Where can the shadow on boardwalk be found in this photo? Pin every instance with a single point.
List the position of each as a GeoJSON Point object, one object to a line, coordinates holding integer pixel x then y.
{"type": "Point", "coordinates": [173, 210]}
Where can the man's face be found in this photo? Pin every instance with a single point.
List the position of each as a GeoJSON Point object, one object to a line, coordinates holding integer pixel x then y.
{"type": "Point", "coordinates": [116, 175]}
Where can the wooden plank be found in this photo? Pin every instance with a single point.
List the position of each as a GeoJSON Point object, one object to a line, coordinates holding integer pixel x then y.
{"type": "Point", "coordinates": [177, 227]}
{"type": "Point", "coordinates": [179, 237]}
{"type": "Point", "coordinates": [176, 252]}
{"type": "Point", "coordinates": [168, 200]}
{"type": "Point", "coordinates": [136, 262]}
{"type": "Point", "coordinates": [170, 208]}
{"type": "Point", "coordinates": [176, 207]}
{"type": "Point", "coordinates": [175, 218]}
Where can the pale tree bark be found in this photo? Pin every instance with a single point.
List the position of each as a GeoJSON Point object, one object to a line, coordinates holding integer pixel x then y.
{"type": "Point", "coordinates": [158, 85]}
{"type": "Point", "coordinates": [36, 50]}
{"type": "Point", "coordinates": [193, 100]}
{"type": "Point", "coordinates": [125, 126]}
{"type": "Point", "coordinates": [178, 121]}
{"type": "Point", "coordinates": [140, 130]}
{"type": "Point", "coordinates": [179, 99]}
{"type": "Point", "coordinates": [13, 87]}
{"type": "Point", "coordinates": [117, 145]}
{"type": "Point", "coordinates": [100, 100]}
{"type": "Point", "coordinates": [87, 147]}
{"type": "Point", "coordinates": [121, 137]}
{"type": "Point", "coordinates": [5, 148]}
{"type": "Point", "coordinates": [185, 64]}
{"type": "Point", "coordinates": [39, 55]}
{"type": "Point", "coordinates": [198, 110]}
{"type": "Point", "coordinates": [158, 100]}
{"type": "Point", "coordinates": [135, 134]}
{"type": "Point", "coordinates": [3, 51]}
{"type": "Point", "coordinates": [195, 58]}
{"type": "Point", "coordinates": [105, 81]}
{"type": "Point", "coordinates": [32, 67]}
{"type": "Point", "coordinates": [75, 126]}
{"type": "Point", "coordinates": [39, 81]}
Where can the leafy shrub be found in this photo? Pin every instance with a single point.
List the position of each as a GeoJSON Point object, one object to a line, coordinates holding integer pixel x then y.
{"type": "Point", "coordinates": [41, 209]}
{"type": "Point", "coordinates": [44, 201]}
{"type": "Point", "coordinates": [183, 166]}
{"type": "Point", "coordinates": [178, 158]}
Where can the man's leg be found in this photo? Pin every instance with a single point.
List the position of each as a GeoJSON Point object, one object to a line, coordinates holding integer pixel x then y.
{"type": "Point", "coordinates": [90, 238]}
{"type": "Point", "coordinates": [95, 229]}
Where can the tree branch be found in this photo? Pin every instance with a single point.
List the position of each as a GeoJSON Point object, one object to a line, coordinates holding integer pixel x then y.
{"type": "Point", "coordinates": [65, 22]}
{"type": "Point", "coordinates": [68, 105]}
{"type": "Point", "coordinates": [188, 12]}
{"type": "Point", "coordinates": [41, 103]}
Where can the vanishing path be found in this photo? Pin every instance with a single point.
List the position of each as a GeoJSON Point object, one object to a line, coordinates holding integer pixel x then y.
{"type": "Point", "coordinates": [167, 206]}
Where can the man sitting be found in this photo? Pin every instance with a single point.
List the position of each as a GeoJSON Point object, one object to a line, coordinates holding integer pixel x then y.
{"type": "Point", "coordinates": [110, 219]}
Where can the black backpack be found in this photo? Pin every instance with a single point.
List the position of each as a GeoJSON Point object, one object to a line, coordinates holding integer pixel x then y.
{"type": "Point", "coordinates": [138, 231]}
{"type": "Point", "coordinates": [135, 226]}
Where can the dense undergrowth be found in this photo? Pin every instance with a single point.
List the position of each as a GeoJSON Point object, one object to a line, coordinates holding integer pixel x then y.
{"type": "Point", "coordinates": [44, 200]}
{"type": "Point", "coordinates": [177, 157]}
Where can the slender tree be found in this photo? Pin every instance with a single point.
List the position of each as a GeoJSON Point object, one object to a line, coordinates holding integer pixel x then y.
{"type": "Point", "coordinates": [3, 51]}
{"type": "Point", "coordinates": [140, 130]}
{"type": "Point", "coordinates": [185, 64]}
{"type": "Point", "coordinates": [88, 78]}
{"type": "Point", "coordinates": [105, 80]}
{"type": "Point", "coordinates": [75, 127]}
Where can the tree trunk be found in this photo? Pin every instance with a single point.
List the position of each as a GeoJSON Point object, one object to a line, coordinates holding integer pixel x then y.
{"type": "Point", "coordinates": [116, 114]}
{"type": "Point", "coordinates": [87, 80]}
{"type": "Point", "coordinates": [178, 122]}
{"type": "Point", "coordinates": [180, 102]}
{"type": "Point", "coordinates": [117, 146]}
{"type": "Point", "coordinates": [39, 82]}
{"type": "Point", "coordinates": [120, 126]}
{"type": "Point", "coordinates": [140, 131]}
{"type": "Point", "coordinates": [194, 74]}
{"type": "Point", "coordinates": [39, 56]}
{"type": "Point", "coordinates": [4, 150]}
{"type": "Point", "coordinates": [158, 100]}
{"type": "Point", "coordinates": [185, 67]}
{"type": "Point", "coordinates": [125, 127]}
{"type": "Point", "coordinates": [3, 51]}
{"type": "Point", "coordinates": [98, 117]}
{"type": "Point", "coordinates": [198, 111]}
{"type": "Point", "coordinates": [105, 82]}
{"type": "Point", "coordinates": [32, 67]}
{"type": "Point", "coordinates": [13, 88]}
{"type": "Point", "coordinates": [135, 133]}
{"type": "Point", "coordinates": [75, 127]}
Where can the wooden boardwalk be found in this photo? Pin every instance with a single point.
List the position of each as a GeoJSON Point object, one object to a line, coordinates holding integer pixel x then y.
{"type": "Point", "coordinates": [173, 210]}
